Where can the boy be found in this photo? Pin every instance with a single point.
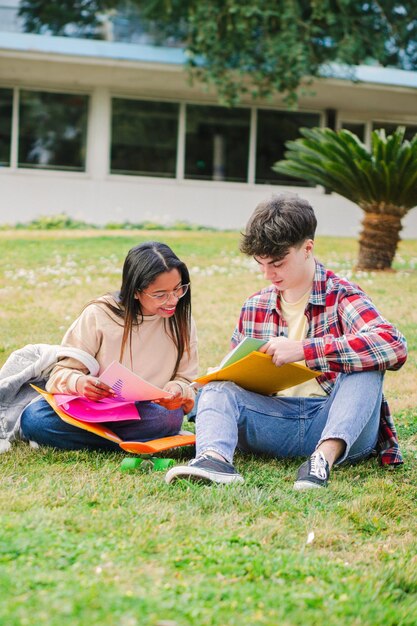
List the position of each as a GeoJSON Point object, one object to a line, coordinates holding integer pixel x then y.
{"type": "Point", "coordinates": [307, 314]}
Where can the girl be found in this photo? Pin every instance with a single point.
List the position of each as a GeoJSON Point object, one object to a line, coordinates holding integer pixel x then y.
{"type": "Point", "coordinates": [146, 326]}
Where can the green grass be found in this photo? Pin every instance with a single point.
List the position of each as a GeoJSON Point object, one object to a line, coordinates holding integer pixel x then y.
{"type": "Point", "coordinates": [82, 543]}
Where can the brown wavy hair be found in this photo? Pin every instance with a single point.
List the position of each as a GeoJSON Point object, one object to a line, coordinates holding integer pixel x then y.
{"type": "Point", "coordinates": [276, 225]}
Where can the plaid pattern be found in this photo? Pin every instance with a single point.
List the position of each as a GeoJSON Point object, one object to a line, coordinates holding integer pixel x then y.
{"type": "Point", "coordinates": [345, 334]}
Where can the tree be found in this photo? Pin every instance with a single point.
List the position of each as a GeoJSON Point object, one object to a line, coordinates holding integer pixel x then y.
{"type": "Point", "coordinates": [261, 46]}
{"type": "Point", "coordinates": [382, 181]}
{"type": "Point", "coordinates": [66, 17]}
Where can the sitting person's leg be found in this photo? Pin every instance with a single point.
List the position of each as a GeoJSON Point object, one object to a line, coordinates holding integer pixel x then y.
{"type": "Point", "coordinates": [41, 424]}
{"type": "Point", "coordinates": [354, 414]}
{"type": "Point", "coordinates": [346, 423]}
{"type": "Point", "coordinates": [229, 416]}
{"type": "Point", "coordinates": [349, 423]}
{"type": "Point", "coordinates": [155, 422]}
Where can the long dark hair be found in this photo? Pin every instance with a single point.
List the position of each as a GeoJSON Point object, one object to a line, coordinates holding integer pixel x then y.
{"type": "Point", "coordinates": [143, 264]}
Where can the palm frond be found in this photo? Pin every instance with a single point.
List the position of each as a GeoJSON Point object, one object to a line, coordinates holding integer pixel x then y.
{"type": "Point", "coordinates": [385, 175]}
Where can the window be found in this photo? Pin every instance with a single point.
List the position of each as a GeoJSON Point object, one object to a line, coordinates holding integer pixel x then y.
{"type": "Point", "coordinates": [52, 130]}
{"type": "Point", "coordinates": [357, 128]}
{"type": "Point", "coordinates": [217, 143]}
{"type": "Point", "coordinates": [6, 108]}
{"type": "Point", "coordinates": [273, 130]}
{"type": "Point", "coordinates": [410, 129]}
{"type": "Point", "coordinates": [144, 138]}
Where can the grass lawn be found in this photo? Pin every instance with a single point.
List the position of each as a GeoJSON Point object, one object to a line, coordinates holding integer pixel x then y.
{"type": "Point", "coordinates": [83, 544]}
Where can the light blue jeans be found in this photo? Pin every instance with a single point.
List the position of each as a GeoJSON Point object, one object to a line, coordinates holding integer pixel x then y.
{"type": "Point", "coordinates": [229, 417]}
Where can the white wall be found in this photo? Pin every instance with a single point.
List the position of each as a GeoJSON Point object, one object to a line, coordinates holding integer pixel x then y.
{"type": "Point", "coordinates": [26, 194]}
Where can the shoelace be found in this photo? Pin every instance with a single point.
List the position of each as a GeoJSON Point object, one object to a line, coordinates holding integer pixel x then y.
{"type": "Point", "coordinates": [318, 466]}
{"type": "Point", "coordinates": [205, 457]}
{"type": "Point", "coordinates": [199, 458]}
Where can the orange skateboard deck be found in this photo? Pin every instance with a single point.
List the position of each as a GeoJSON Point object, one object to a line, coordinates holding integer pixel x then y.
{"type": "Point", "coordinates": [136, 447]}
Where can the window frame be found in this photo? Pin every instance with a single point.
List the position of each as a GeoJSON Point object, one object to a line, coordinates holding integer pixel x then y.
{"type": "Point", "coordinates": [59, 170]}
{"type": "Point", "coordinates": [48, 171]}
{"type": "Point", "coordinates": [140, 98]}
{"type": "Point", "coordinates": [321, 114]}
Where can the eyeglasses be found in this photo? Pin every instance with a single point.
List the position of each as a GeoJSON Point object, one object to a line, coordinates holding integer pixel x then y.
{"type": "Point", "coordinates": [162, 298]}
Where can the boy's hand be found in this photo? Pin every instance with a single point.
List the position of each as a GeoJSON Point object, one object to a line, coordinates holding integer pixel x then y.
{"type": "Point", "coordinates": [283, 350]}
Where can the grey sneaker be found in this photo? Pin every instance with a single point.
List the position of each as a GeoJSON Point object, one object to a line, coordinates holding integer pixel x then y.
{"type": "Point", "coordinates": [205, 468]}
{"type": "Point", "coordinates": [314, 473]}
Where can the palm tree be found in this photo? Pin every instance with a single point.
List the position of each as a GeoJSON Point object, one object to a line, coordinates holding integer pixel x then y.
{"type": "Point", "coordinates": [382, 181]}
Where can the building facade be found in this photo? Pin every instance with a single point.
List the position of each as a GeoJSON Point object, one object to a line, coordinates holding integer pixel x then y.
{"type": "Point", "coordinates": [114, 132]}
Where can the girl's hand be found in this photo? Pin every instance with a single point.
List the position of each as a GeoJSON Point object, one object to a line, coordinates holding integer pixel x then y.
{"type": "Point", "coordinates": [93, 389]}
{"type": "Point", "coordinates": [178, 400]}
{"type": "Point", "coordinates": [174, 388]}
{"type": "Point", "coordinates": [171, 403]}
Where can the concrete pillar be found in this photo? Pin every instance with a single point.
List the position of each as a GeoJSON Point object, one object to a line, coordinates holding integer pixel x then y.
{"type": "Point", "coordinates": [99, 134]}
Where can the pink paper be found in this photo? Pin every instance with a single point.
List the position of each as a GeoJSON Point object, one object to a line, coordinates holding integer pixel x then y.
{"type": "Point", "coordinates": [106, 410]}
{"type": "Point", "coordinates": [130, 387]}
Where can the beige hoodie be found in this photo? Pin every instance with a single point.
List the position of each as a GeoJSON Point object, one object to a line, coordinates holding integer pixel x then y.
{"type": "Point", "coordinates": [153, 356]}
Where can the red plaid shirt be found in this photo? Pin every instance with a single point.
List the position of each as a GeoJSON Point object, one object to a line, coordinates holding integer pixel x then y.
{"type": "Point", "coordinates": [345, 334]}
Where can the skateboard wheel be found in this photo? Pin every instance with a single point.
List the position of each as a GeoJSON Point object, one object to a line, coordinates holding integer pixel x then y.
{"type": "Point", "coordinates": [162, 464]}
{"type": "Point", "coordinates": [130, 463]}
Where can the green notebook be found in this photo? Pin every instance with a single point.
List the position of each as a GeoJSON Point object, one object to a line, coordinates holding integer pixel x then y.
{"type": "Point", "coordinates": [245, 347]}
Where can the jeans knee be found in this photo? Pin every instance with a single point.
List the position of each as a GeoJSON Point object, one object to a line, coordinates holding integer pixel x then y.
{"type": "Point", "coordinates": [360, 383]}
{"type": "Point", "coordinates": [217, 396]}
{"type": "Point", "coordinates": [372, 376]}
{"type": "Point", "coordinates": [28, 421]}
{"type": "Point", "coordinates": [222, 386]}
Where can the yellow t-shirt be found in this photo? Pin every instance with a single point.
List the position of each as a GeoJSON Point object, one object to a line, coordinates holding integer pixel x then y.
{"type": "Point", "coordinates": [294, 314]}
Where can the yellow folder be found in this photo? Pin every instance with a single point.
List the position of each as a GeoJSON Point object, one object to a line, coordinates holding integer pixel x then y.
{"type": "Point", "coordinates": [256, 372]}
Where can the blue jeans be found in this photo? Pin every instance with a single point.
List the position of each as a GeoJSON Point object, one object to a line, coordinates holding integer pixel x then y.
{"type": "Point", "coordinates": [40, 423]}
{"type": "Point", "coordinates": [229, 417]}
